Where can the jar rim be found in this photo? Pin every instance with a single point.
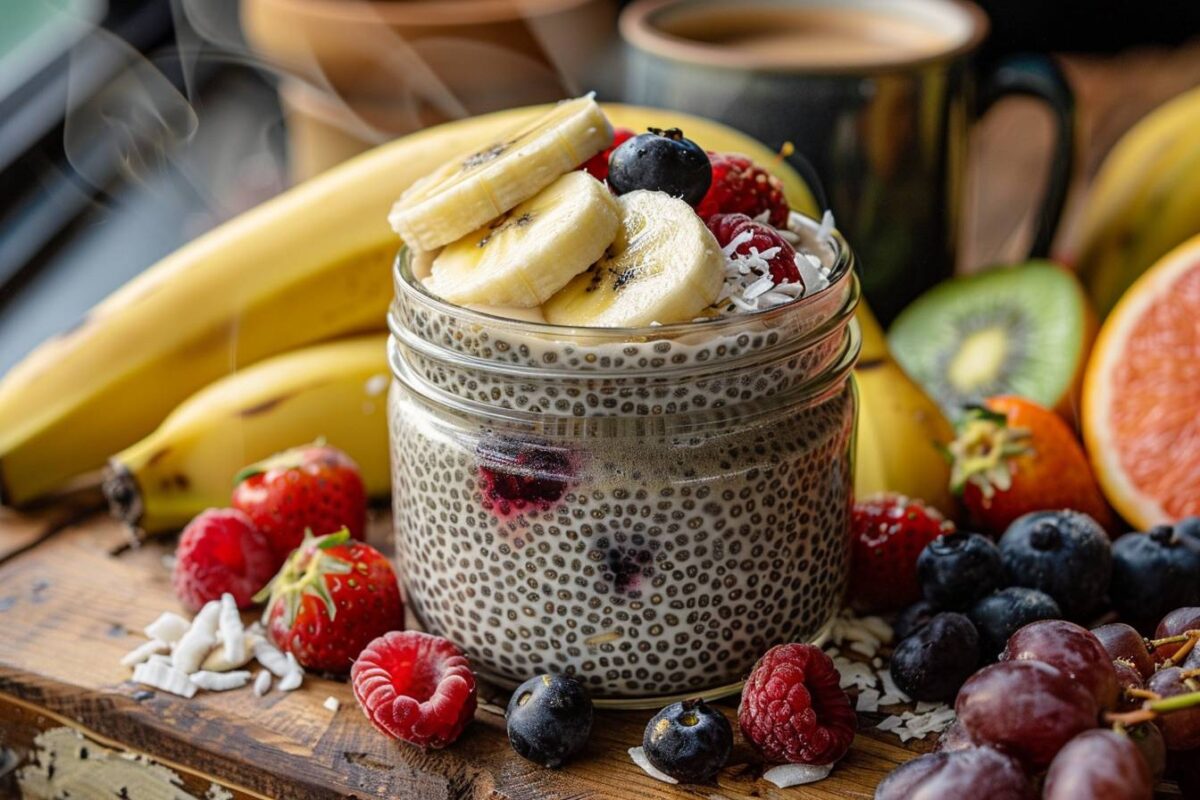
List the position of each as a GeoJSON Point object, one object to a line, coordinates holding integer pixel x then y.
{"type": "Point", "coordinates": [842, 264]}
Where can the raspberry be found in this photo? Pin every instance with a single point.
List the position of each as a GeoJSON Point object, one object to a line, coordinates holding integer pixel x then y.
{"type": "Point", "coordinates": [739, 186]}
{"type": "Point", "coordinates": [888, 533]}
{"type": "Point", "coordinates": [221, 551]}
{"type": "Point", "coordinates": [597, 165]}
{"type": "Point", "coordinates": [415, 687]}
{"type": "Point", "coordinates": [514, 474]}
{"type": "Point", "coordinates": [793, 709]}
{"type": "Point", "coordinates": [758, 239]}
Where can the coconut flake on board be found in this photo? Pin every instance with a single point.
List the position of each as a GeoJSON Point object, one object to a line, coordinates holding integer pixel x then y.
{"type": "Point", "coordinates": [873, 681]}
{"type": "Point", "coordinates": [639, 757]}
{"type": "Point", "coordinates": [787, 775]}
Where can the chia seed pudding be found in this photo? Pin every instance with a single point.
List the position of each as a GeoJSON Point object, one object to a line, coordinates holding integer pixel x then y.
{"type": "Point", "coordinates": [647, 508]}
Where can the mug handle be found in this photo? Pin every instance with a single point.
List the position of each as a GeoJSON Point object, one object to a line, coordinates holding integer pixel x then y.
{"type": "Point", "coordinates": [1036, 75]}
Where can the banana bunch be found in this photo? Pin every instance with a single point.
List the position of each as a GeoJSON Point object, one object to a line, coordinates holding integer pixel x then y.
{"type": "Point", "coordinates": [308, 266]}
{"type": "Point", "coordinates": [335, 391]}
{"type": "Point", "coordinates": [901, 431]}
{"type": "Point", "coordinates": [1144, 202]}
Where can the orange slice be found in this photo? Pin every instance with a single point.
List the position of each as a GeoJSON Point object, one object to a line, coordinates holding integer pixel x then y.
{"type": "Point", "coordinates": [1141, 396]}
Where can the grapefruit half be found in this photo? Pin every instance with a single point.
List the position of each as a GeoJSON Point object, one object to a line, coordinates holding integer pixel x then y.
{"type": "Point", "coordinates": [1141, 394]}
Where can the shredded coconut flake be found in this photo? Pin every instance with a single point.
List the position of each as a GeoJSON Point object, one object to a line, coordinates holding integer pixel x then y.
{"type": "Point", "coordinates": [262, 683]}
{"type": "Point", "coordinates": [166, 678]}
{"type": "Point", "coordinates": [332, 703]}
{"type": "Point", "coordinates": [143, 652]}
{"type": "Point", "coordinates": [199, 639]}
{"type": "Point", "coordinates": [639, 757]}
{"type": "Point", "coordinates": [231, 631]}
{"type": "Point", "coordinates": [220, 681]}
{"type": "Point", "coordinates": [168, 628]}
{"type": "Point", "coordinates": [788, 775]}
{"type": "Point", "coordinates": [827, 226]}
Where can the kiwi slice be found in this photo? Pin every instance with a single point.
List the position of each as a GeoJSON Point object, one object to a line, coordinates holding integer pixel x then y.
{"type": "Point", "coordinates": [1022, 330]}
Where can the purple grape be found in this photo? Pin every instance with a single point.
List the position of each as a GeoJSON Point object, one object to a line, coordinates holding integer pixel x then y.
{"type": "Point", "coordinates": [1098, 765]}
{"type": "Point", "coordinates": [1026, 708]}
{"type": "Point", "coordinates": [1070, 648]}
{"type": "Point", "coordinates": [978, 772]}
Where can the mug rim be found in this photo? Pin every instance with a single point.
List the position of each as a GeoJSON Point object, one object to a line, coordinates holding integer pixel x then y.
{"type": "Point", "coordinates": [638, 28]}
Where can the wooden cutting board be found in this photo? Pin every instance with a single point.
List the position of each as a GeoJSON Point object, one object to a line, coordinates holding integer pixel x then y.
{"type": "Point", "coordinates": [74, 597]}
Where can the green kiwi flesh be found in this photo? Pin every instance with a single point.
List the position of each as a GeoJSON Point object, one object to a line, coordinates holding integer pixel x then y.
{"type": "Point", "coordinates": [1020, 330]}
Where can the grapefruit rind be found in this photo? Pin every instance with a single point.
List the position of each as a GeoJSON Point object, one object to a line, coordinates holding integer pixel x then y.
{"type": "Point", "coordinates": [1140, 509]}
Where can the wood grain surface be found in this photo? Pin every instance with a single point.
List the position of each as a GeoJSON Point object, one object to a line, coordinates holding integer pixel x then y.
{"type": "Point", "coordinates": [71, 607]}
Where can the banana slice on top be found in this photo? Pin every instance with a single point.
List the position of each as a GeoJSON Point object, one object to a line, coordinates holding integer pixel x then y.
{"type": "Point", "coordinates": [468, 191]}
{"type": "Point", "coordinates": [665, 266]}
{"type": "Point", "coordinates": [526, 255]}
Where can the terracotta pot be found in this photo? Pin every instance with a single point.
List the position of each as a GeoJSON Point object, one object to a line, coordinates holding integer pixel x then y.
{"type": "Point", "coordinates": [389, 68]}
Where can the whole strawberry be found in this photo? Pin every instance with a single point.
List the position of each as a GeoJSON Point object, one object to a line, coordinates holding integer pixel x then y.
{"type": "Point", "coordinates": [1012, 456]}
{"type": "Point", "coordinates": [220, 551]}
{"type": "Point", "coordinates": [887, 533]}
{"type": "Point", "coordinates": [332, 597]}
{"type": "Point", "coordinates": [739, 186]}
{"type": "Point", "coordinates": [313, 488]}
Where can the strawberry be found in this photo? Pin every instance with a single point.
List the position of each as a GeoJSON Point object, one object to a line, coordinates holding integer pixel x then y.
{"type": "Point", "coordinates": [220, 551]}
{"type": "Point", "coordinates": [332, 597]}
{"type": "Point", "coordinates": [887, 533]}
{"type": "Point", "coordinates": [1012, 456]}
{"type": "Point", "coordinates": [739, 186]}
{"type": "Point", "coordinates": [597, 165]}
{"type": "Point", "coordinates": [313, 488]}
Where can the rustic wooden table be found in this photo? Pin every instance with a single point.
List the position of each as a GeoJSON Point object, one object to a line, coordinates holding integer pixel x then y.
{"type": "Point", "coordinates": [74, 596]}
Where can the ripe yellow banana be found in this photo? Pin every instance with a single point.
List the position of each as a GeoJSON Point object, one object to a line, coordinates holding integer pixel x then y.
{"type": "Point", "coordinates": [307, 266]}
{"type": "Point", "coordinates": [900, 429]}
{"type": "Point", "coordinates": [336, 391]}
{"type": "Point", "coordinates": [1143, 201]}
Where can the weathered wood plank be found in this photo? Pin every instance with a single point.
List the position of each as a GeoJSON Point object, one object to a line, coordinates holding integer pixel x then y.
{"type": "Point", "coordinates": [77, 608]}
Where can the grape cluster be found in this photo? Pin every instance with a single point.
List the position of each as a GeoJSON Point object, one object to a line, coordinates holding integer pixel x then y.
{"type": "Point", "coordinates": [1099, 714]}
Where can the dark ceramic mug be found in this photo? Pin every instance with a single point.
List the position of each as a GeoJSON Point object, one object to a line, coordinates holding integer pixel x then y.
{"type": "Point", "coordinates": [879, 97]}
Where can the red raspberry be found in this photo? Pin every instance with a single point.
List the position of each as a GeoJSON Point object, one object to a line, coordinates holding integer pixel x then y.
{"type": "Point", "coordinates": [888, 532]}
{"type": "Point", "coordinates": [739, 186]}
{"type": "Point", "coordinates": [597, 165]}
{"type": "Point", "coordinates": [221, 551]}
{"type": "Point", "coordinates": [792, 708]}
{"type": "Point", "coordinates": [516, 474]}
{"type": "Point", "coordinates": [727, 227]}
{"type": "Point", "coordinates": [415, 687]}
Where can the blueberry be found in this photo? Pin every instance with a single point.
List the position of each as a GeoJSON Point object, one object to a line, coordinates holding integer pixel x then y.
{"type": "Point", "coordinates": [998, 616]}
{"type": "Point", "coordinates": [912, 619]}
{"type": "Point", "coordinates": [690, 741]}
{"type": "Point", "coordinates": [957, 569]}
{"type": "Point", "coordinates": [1188, 529]}
{"type": "Point", "coordinates": [661, 161]}
{"type": "Point", "coordinates": [1153, 573]}
{"type": "Point", "coordinates": [936, 660]}
{"type": "Point", "coordinates": [1065, 554]}
{"type": "Point", "coordinates": [549, 719]}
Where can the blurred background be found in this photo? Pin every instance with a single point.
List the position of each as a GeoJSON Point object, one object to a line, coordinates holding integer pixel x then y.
{"type": "Point", "coordinates": [128, 127]}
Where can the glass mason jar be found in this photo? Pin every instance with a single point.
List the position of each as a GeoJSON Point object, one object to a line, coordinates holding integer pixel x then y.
{"type": "Point", "coordinates": [649, 509]}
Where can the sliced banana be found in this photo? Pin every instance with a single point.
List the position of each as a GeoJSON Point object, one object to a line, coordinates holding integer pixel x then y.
{"type": "Point", "coordinates": [526, 255]}
{"type": "Point", "coordinates": [468, 191]}
{"type": "Point", "coordinates": [664, 266]}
